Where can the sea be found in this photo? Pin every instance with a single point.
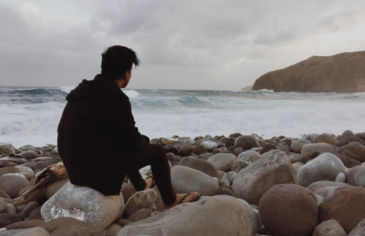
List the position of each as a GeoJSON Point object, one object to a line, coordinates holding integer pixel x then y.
{"type": "Point", "coordinates": [30, 115]}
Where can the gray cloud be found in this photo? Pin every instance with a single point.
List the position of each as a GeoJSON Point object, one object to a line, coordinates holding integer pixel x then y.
{"type": "Point", "coordinates": [200, 44]}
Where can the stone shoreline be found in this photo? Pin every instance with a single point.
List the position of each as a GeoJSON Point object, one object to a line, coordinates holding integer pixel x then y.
{"type": "Point", "coordinates": [281, 186]}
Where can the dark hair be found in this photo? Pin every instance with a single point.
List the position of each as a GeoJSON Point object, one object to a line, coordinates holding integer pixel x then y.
{"type": "Point", "coordinates": [117, 60]}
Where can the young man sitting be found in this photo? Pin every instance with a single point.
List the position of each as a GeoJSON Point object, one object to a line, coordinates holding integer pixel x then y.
{"type": "Point", "coordinates": [98, 140]}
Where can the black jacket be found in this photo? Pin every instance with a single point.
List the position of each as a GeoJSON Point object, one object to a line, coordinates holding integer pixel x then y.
{"type": "Point", "coordinates": [96, 131]}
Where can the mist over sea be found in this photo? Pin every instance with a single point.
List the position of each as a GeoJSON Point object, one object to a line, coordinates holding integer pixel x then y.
{"type": "Point", "coordinates": [31, 115]}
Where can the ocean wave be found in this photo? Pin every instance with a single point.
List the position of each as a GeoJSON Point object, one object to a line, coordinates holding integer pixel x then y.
{"type": "Point", "coordinates": [131, 93]}
{"type": "Point", "coordinates": [66, 89]}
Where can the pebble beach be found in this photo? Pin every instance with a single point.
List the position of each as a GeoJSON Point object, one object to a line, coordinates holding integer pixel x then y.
{"type": "Point", "coordinates": [250, 185]}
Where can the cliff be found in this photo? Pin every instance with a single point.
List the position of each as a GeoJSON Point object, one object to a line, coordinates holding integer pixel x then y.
{"type": "Point", "coordinates": [342, 73]}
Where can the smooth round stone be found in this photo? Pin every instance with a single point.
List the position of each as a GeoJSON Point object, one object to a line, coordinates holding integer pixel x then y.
{"type": "Point", "coordinates": [308, 150]}
{"type": "Point", "coordinates": [113, 229]}
{"type": "Point", "coordinates": [185, 179]}
{"type": "Point", "coordinates": [13, 183]}
{"type": "Point", "coordinates": [10, 208]}
{"type": "Point", "coordinates": [9, 170]}
{"type": "Point", "coordinates": [52, 188]}
{"type": "Point", "coordinates": [26, 171]}
{"type": "Point", "coordinates": [296, 145]}
{"type": "Point", "coordinates": [229, 176]}
{"type": "Point", "coordinates": [29, 154]}
{"type": "Point", "coordinates": [246, 142]}
{"type": "Point", "coordinates": [289, 209]}
{"type": "Point", "coordinates": [324, 167]}
{"type": "Point", "coordinates": [341, 178]}
{"type": "Point", "coordinates": [319, 199]}
{"type": "Point", "coordinates": [320, 184]}
{"type": "Point", "coordinates": [7, 148]}
{"type": "Point", "coordinates": [325, 138]}
{"type": "Point", "coordinates": [360, 178]}
{"type": "Point", "coordinates": [140, 200]}
{"type": "Point", "coordinates": [328, 192]}
{"type": "Point", "coordinates": [222, 161]}
{"type": "Point", "coordinates": [201, 165]}
{"type": "Point", "coordinates": [329, 228]}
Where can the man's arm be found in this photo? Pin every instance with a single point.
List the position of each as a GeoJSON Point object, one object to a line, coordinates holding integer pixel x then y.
{"type": "Point", "coordinates": [123, 126]}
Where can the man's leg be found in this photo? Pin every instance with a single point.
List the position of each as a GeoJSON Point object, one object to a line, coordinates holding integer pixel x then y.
{"type": "Point", "coordinates": [154, 155]}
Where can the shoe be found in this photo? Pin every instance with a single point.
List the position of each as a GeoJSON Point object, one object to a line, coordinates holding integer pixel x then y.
{"type": "Point", "coordinates": [153, 180]}
{"type": "Point", "coordinates": [194, 200]}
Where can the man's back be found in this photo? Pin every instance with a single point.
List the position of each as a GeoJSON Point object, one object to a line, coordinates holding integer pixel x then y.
{"type": "Point", "coordinates": [96, 129]}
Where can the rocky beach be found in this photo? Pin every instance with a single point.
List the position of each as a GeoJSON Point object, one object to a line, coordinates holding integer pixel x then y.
{"type": "Point", "coordinates": [282, 186]}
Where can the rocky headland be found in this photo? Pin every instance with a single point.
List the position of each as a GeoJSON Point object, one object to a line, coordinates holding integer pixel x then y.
{"type": "Point", "coordinates": [341, 73]}
{"type": "Point", "coordinates": [282, 186]}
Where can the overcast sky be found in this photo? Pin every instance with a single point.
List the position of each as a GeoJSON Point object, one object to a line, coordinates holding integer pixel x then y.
{"type": "Point", "coordinates": [190, 44]}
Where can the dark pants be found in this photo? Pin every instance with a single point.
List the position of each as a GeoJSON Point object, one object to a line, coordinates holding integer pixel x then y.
{"type": "Point", "coordinates": [154, 155]}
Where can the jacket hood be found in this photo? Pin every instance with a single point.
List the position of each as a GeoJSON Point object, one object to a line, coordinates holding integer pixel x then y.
{"type": "Point", "coordinates": [98, 87]}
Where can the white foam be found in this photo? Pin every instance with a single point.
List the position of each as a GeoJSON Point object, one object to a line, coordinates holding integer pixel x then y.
{"type": "Point", "coordinates": [131, 93]}
{"type": "Point", "coordinates": [67, 89]}
{"type": "Point", "coordinates": [165, 116]}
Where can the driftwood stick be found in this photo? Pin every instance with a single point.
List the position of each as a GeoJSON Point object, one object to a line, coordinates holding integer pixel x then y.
{"type": "Point", "coordinates": [49, 175]}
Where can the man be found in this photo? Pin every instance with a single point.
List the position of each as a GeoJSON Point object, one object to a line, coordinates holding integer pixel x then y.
{"type": "Point", "coordinates": [98, 140]}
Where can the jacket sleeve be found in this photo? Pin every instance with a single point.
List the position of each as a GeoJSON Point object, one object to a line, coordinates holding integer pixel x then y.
{"type": "Point", "coordinates": [123, 126]}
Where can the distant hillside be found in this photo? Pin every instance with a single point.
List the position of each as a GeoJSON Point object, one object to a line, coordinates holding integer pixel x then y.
{"type": "Point", "coordinates": [343, 73]}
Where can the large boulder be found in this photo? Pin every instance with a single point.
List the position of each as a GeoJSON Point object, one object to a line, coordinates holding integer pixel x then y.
{"type": "Point", "coordinates": [185, 179]}
{"type": "Point", "coordinates": [315, 149]}
{"type": "Point", "coordinates": [7, 148]}
{"type": "Point", "coordinates": [324, 167]}
{"type": "Point", "coordinates": [321, 184]}
{"type": "Point", "coordinates": [353, 150]}
{"type": "Point", "coordinates": [318, 74]}
{"type": "Point", "coordinates": [249, 156]}
{"type": "Point", "coordinates": [329, 228]}
{"type": "Point", "coordinates": [347, 206]}
{"type": "Point", "coordinates": [13, 183]}
{"type": "Point", "coordinates": [289, 209]}
{"type": "Point", "coordinates": [196, 219]}
{"type": "Point", "coordinates": [246, 142]}
{"type": "Point", "coordinates": [273, 168]}
{"type": "Point", "coordinates": [201, 165]}
{"type": "Point", "coordinates": [222, 161]}
{"type": "Point", "coordinates": [296, 145]}
{"type": "Point", "coordinates": [85, 204]}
